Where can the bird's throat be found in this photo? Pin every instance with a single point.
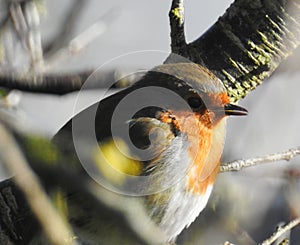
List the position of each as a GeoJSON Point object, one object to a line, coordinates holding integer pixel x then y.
{"type": "Point", "coordinates": [205, 153]}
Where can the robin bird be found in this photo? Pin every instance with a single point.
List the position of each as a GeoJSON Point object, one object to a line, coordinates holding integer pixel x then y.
{"type": "Point", "coordinates": [160, 140]}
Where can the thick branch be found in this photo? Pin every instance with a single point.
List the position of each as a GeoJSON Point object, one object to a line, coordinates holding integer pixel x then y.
{"type": "Point", "coordinates": [63, 84]}
{"type": "Point", "coordinates": [247, 43]}
{"type": "Point", "coordinates": [240, 164]}
{"type": "Point", "coordinates": [55, 228]}
{"type": "Point", "coordinates": [50, 84]}
{"type": "Point", "coordinates": [14, 214]}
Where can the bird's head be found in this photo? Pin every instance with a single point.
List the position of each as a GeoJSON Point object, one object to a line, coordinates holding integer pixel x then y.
{"type": "Point", "coordinates": [203, 94]}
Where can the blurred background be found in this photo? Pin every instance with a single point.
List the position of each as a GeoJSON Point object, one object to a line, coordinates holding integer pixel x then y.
{"type": "Point", "coordinates": [135, 35]}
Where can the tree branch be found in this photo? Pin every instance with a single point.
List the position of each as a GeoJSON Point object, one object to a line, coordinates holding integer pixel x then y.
{"type": "Point", "coordinates": [49, 84]}
{"type": "Point", "coordinates": [280, 231]}
{"type": "Point", "coordinates": [240, 164]}
{"type": "Point", "coordinates": [63, 84]}
{"type": "Point", "coordinates": [247, 43]}
{"type": "Point", "coordinates": [26, 20]}
{"type": "Point", "coordinates": [66, 28]}
{"type": "Point", "coordinates": [242, 48]}
{"type": "Point", "coordinates": [176, 16]}
{"type": "Point", "coordinates": [55, 228]}
{"type": "Point", "coordinates": [82, 40]}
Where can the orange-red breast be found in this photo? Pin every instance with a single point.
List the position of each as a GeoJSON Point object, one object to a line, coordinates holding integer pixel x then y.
{"type": "Point", "coordinates": [172, 124]}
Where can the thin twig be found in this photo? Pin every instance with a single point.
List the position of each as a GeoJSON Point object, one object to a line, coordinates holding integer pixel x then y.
{"type": "Point", "coordinates": [280, 231]}
{"type": "Point", "coordinates": [67, 28]}
{"type": "Point", "coordinates": [18, 20]}
{"type": "Point", "coordinates": [25, 19]}
{"type": "Point", "coordinates": [83, 39]}
{"type": "Point", "coordinates": [33, 35]}
{"type": "Point", "coordinates": [239, 164]}
{"type": "Point", "coordinates": [54, 227]}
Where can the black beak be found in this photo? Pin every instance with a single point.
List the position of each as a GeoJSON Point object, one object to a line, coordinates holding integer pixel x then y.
{"type": "Point", "coordinates": [234, 110]}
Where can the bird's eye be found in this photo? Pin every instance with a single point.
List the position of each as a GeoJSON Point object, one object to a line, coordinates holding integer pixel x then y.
{"type": "Point", "coordinates": [195, 102]}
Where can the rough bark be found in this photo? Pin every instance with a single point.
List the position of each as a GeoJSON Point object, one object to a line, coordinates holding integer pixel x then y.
{"type": "Point", "coordinates": [246, 44]}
